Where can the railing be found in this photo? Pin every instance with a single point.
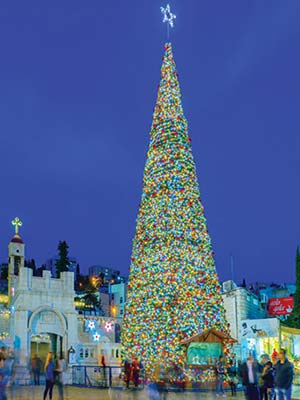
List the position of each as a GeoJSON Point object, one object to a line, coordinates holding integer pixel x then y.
{"type": "Point", "coordinates": [100, 377]}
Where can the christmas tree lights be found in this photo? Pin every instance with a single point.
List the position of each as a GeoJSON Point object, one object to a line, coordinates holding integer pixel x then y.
{"type": "Point", "coordinates": [173, 290]}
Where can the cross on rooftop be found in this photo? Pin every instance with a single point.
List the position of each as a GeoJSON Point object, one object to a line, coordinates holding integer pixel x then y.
{"type": "Point", "coordinates": [16, 223]}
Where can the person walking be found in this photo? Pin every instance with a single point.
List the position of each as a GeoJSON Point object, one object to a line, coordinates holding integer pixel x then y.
{"type": "Point", "coordinates": [267, 375]}
{"type": "Point", "coordinates": [3, 377]}
{"type": "Point", "coordinates": [284, 373]}
{"type": "Point", "coordinates": [249, 375]}
{"type": "Point", "coordinates": [135, 365]}
{"type": "Point", "coordinates": [60, 369]}
{"type": "Point", "coordinates": [220, 374]}
{"type": "Point", "coordinates": [233, 380]}
{"type": "Point", "coordinates": [127, 373]}
{"type": "Point", "coordinates": [49, 375]}
{"type": "Point", "coordinates": [36, 366]}
{"type": "Point", "coordinates": [103, 365]}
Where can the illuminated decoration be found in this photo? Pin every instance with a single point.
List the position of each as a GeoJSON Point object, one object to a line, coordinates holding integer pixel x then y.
{"type": "Point", "coordinates": [173, 289]}
{"type": "Point", "coordinates": [108, 326]}
{"type": "Point", "coordinates": [4, 335]}
{"type": "Point", "coordinates": [96, 337]}
{"type": "Point", "coordinates": [3, 299]}
{"type": "Point", "coordinates": [91, 325]}
{"type": "Point", "coordinates": [40, 337]}
{"type": "Point", "coordinates": [16, 223]}
{"type": "Point", "coordinates": [168, 16]}
{"type": "Point", "coordinates": [98, 320]}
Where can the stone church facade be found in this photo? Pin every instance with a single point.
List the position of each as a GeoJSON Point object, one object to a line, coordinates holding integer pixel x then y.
{"type": "Point", "coordinates": [43, 318]}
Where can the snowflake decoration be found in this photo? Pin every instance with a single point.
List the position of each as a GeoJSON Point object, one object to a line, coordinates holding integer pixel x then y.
{"type": "Point", "coordinates": [108, 326]}
{"type": "Point", "coordinates": [96, 337]}
{"type": "Point", "coordinates": [91, 325]}
{"type": "Point", "coordinates": [168, 16]}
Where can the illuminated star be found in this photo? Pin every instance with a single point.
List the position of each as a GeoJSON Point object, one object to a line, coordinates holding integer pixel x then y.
{"type": "Point", "coordinates": [96, 337]}
{"type": "Point", "coordinates": [91, 325]}
{"type": "Point", "coordinates": [108, 326]}
{"type": "Point", "coordinates": [168, 16]}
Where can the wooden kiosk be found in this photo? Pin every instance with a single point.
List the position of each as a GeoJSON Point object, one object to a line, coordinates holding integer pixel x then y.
{"type": "Point", "coordinates": [202, 353]}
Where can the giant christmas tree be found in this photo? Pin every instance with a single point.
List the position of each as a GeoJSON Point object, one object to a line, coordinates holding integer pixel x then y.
{"type": "Point", "coordinates": [173, 290]}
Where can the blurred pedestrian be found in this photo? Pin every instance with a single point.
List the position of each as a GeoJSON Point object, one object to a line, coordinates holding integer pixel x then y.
{"type": "Point", "coordinates": [60, 374]}
{"type": "Point", "coordinates": [233, 379]}
{"type": "Point", "coordinates": [127, 372]}
{"type": "Point", "coordinates": [36, 366]}
{"type": "Point", "coordinates": [136, 367]}
{"type": "Point", "coordinates": [103, 365]}
{"type": "Point", "coordinates": [49, 375]}
{"type": "Point", "coordinates": [249, 373]}
{"type": "Point", "coordinates": [3, 377]}
{"type": "Point", "coordinates": [220, 374]}
{"type": "Point", "coordinates": [284, 372]}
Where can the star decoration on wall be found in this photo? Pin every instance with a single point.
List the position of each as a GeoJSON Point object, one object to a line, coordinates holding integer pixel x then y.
{"type": "Point", "coordinates": [168, 16]}
{"type": "Point", "coordinates": [91, 325]}
{"type": "Point", "coordinates": [96, 337]}
{"type": "Point", "coordinates": [108, 326]}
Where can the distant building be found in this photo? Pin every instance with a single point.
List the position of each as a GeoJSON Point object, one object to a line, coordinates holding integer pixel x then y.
{"type": "Point", "coordinates": [110, 275]}
{"type": "Point", "coordinates": [117, 296]}
{"type": "Point", "coordinates": [240, 304]}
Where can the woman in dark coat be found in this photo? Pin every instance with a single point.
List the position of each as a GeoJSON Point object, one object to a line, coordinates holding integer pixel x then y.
{"type": "Point", "coordinates": [267, 390]}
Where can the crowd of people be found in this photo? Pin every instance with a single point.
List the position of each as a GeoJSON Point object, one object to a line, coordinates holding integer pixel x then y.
{"type": "Point", "coordinates": [53, 369]}
{"type": "Point", "coordinates": [269, 379]}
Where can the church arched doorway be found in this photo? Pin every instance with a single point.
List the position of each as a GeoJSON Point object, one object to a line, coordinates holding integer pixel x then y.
{"type": "Point", "coordinates": [47, 332]}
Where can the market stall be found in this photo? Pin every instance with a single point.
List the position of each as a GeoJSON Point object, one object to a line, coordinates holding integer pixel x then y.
{"type": "Point", "coordinates": [262, 336]}
{"type": "Point", "coordinates": [259, 336]}
{"type": "Point", "coordinates": [202, 354]}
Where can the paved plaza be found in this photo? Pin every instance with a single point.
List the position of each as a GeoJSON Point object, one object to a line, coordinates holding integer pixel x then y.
{"type": "Point", "coordinates": [78, 393]}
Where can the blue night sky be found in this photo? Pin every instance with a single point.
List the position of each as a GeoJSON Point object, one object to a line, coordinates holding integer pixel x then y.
{"type": "Point", "coordinates": [78, 82]}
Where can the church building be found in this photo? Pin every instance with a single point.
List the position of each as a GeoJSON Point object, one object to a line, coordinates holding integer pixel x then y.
{"type": "Point", "coordinates": [42, 317]}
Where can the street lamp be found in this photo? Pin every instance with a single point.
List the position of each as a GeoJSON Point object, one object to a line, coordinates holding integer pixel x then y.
{"type": "Point", "coordinates": [113, 310]}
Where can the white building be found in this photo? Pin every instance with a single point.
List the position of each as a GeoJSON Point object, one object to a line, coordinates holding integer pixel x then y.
{"type": "Point", "coordinates": [42, 317]}
{"type": "Point", "coordinates": [240, 304]}
{"type": "Point", "coordinates": [42, 308]}
{"type": "Point", "coordinates": [117, 295]}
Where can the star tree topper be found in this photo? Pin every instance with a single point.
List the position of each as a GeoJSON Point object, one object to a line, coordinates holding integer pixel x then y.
{"type": "Point", "coordinates": [168, 16]}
